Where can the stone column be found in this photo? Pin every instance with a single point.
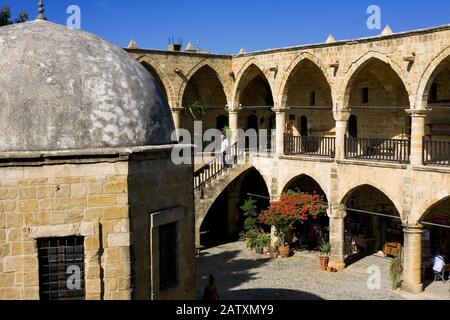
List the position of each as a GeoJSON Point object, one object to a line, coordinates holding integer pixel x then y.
{"type": "Point", "coordinates": [418, 118]}
{"type": "Point", "coordinates": [341, 117]}
{"type": "Point", "coordinates": [412, 259]}
{"type": "Point", "coordinates": [233, 118]}
{"type": "Point", "coordinates": [233, 213]}
{"type": "Point", "coordinates": [337, 238]}
{"type": "Point", "coordinates": [176, 115]}
{"type": "Point", "coordinates": [280, 130]}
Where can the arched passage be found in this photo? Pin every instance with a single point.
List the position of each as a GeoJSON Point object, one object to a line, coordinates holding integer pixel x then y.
{"type": "Point", "coordinates": [224, 221]}
{"type": "Point", "coordinates": [435, 94]}
{"type": "Point", "coordinates": [204, 99]}
{"type": "Point", "coordinates": [378, 97]}
{"type": "Point", "coordinates": [312, 233]}
{"type": "Point", "coordinates": [372, 221]}
{"type": "Point", "coordinates": [436, 235]}
{"type": "Point", "coordinates": [305, 183]}
{"type": "Point", "coordinates": [307, 93]}
{"type": "Point", "coordinates": [156, 76]}
{"type": "Point", "coordinates": [255, 98]}
{"type": "Point", "coordinates": [376, 94]}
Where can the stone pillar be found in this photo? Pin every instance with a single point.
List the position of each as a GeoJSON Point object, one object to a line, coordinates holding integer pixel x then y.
{"type": "Point", "coordinates": [176, 115]}
{"type": "Point", "coordinates": [341, 118]}
{"type": "Point", "coordinates": [233, 213]}
{"type": "Point", "coordinates": [418, 118]}
{"type": "Point", "coordinates": [233, 118]}
{"type": "Point", "coordinates": [412, 259]}
{"type": "Point", "coordinates": [280, 130]}
{"type": "Point", "coordinates": [337, 238]}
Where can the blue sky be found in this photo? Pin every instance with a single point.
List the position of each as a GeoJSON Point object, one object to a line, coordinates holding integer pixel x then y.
{"type": "Point", "coordinates": [224, 26]}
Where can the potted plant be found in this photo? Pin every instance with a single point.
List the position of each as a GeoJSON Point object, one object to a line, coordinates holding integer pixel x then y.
{"type": "Point", "coordinates": [325, 250]}
{"type": "Point", "coordinates": [396, 271]}
{"type": "Point", "coordinates": [252, 238]}
{"type": "Point", "coordinates": [292, 207]}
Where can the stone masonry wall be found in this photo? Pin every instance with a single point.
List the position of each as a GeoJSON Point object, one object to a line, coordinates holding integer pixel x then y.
{"type": "Point", "coordinates": [109, 204]}
{"type": "Point", "coordinates": [63, 200]}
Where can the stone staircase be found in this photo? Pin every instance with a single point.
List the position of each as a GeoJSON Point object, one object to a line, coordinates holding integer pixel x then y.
{"type": "Point", "coordinates": [212, 179]}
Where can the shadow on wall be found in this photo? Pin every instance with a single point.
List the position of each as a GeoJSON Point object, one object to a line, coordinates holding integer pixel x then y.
{"type": "Point", "coordinates": [231, 273]}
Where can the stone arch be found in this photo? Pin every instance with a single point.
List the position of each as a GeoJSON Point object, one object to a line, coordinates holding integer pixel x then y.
{"type": "Point", "coordinates": [343, 200]}
{"type": "Point", "coordinates": [424, 209]}
{"type": "Point", "coordinates": [353, 71]}
{"type": "Point", "coordinates": [164, 79]}
{"type": "Point", "coordinates": [427, 78]}
{"type": "Point", "coordinates": [304, 175]}
{"type": "Point", "coordinates": [305, 56]}
{"type": "Point", "coordinates": [200, 216]}
{"type": "Point", "coordinates": [242, 81]}
{"type": "Point", "coordinates": [204, 63]}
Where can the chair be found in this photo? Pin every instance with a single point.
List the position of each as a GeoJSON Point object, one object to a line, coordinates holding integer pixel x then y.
{"type": "Point", "coordinates": [392, 249]}
{"type": "Point", "coordinates": [440, 275]}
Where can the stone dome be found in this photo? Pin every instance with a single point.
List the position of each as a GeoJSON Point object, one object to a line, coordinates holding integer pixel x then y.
{"type": "Point", "coordinates": [63, 89]}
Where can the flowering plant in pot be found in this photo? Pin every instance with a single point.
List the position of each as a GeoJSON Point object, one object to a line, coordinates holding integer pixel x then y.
{"type": "Point", "coordinates": [325, 250]}
{"type": "Point", "coordinates": [292, 207]}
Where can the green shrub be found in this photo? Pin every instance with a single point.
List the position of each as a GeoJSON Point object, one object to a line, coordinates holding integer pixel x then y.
{"type": "Point", "coordinates": [249, 224]}
{"type": "Point", "coordinates": [396, 271]}
{"type": "Point", "coordinates": [252, 238]}
{"type": "Point", "coordinates": [263, 240]}
{"type": "Point", "coordinates": [250, 212]}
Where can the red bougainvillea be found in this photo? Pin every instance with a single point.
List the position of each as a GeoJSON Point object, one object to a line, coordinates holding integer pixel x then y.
{"type": "Point", "coordinates": [291, 208]}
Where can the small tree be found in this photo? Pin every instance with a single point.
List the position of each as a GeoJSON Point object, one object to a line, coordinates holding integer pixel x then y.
{"type": "Point", "coordinates": [6, 14]}
{"type": "Point", "coordinates": [292, 207]}
{"type": "Point", "coordinates": [23, 17]}
{"type": "Point", "coordinates": [250, 212]}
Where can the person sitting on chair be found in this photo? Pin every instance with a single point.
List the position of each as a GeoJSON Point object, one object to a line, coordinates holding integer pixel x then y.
{"type": "Point", "coordinates": [438, 265]}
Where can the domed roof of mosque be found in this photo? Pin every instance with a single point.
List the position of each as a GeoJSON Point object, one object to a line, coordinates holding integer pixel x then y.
{"type": "Point", "coordinates": [63, 89]}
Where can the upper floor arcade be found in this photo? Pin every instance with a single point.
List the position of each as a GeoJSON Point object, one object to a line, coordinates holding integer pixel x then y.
{"type": "Point", "coordinates": [383, 98]}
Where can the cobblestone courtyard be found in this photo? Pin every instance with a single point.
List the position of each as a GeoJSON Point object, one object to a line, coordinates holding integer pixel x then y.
{"type": "Point", "coordinates": [243, 275]}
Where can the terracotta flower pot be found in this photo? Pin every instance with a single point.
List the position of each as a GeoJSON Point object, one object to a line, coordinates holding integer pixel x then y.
{"type": "Point", "coordinates": [324, 260]}
{"type": "Point", "coordinates": [284, 251]}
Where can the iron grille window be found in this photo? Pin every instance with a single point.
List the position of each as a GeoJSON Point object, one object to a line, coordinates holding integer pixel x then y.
{"type": "Point", "coordinates": [61, 268]}
{"type": "Point", "coordinates": [168, 256]}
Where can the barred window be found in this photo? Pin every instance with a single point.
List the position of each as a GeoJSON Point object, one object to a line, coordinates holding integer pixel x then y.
{"type": "Point", "coordinates": [168, 256]}
{"type": "Point", "coordinates": [61, 268]}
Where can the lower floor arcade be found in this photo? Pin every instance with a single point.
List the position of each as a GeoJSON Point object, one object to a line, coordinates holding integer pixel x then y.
{"type": "Point", "coordinates": [372, 209]}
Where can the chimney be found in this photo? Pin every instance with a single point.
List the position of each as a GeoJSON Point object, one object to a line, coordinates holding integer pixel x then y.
{"type": "Point", "coordinates": [174, 47]}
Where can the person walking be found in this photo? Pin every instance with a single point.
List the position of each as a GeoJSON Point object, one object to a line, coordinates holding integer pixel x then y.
{"type": "Point", "coordinates": [225, 145]}
{"type": "Point", "coordinates": [210, 293]}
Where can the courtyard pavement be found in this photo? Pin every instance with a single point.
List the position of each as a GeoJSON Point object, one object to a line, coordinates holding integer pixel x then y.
{"type": "Point", "coordinates": [243, 275]}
